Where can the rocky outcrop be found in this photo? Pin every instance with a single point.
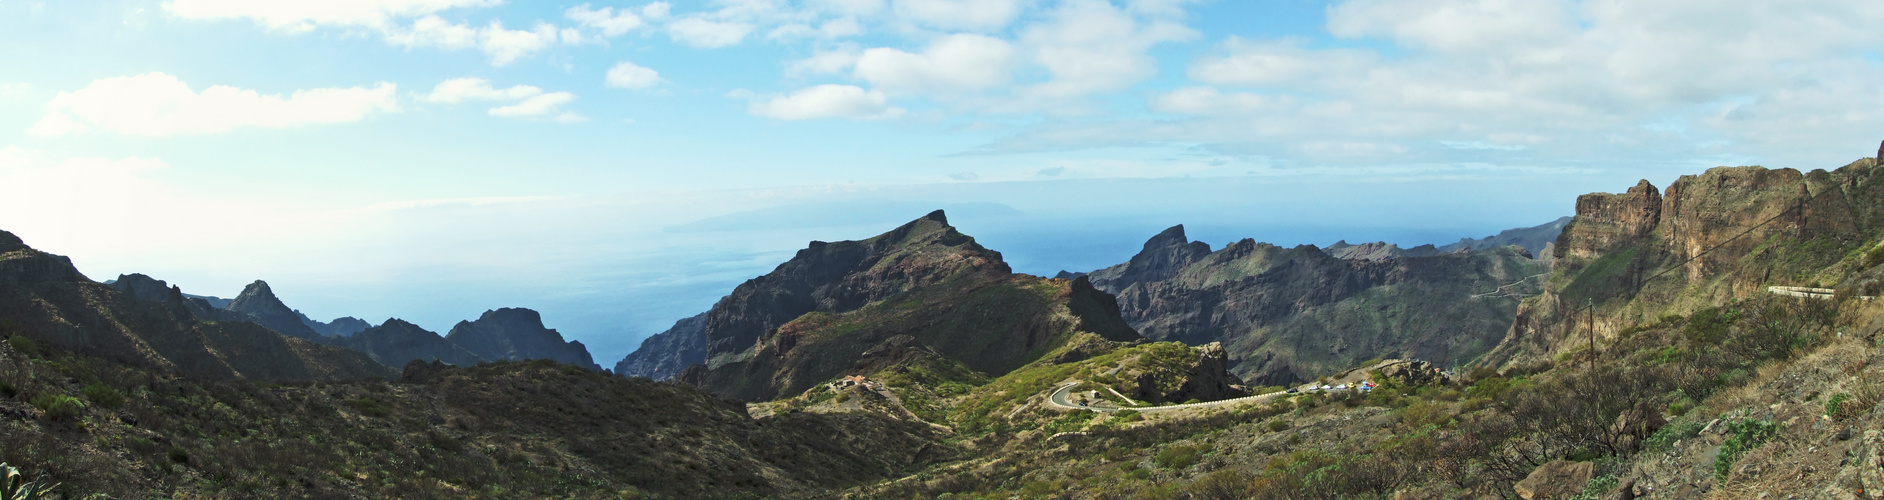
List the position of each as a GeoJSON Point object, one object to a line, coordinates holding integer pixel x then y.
{"type": "Point", "coordinates": [1206, 378]}
{"type": "Point", "coordinates": [517, 334]}
{"type": "Point", "coordinates": [1286, 315]}
{"type": "Point", "coordinates": [44, 297]}
{"type": "Point", "coordinates": [665, 354]}
{"type": "Point", "coordinates": [397, 342]}
{"type": "Point", "coordinates": [1558, 479]}
{"type": "Point", "coordinates": [259, 302]}
{"type": "Point", "coordinates": [810, 319]}
{"type": "Point", "coordinates": [151, 289]}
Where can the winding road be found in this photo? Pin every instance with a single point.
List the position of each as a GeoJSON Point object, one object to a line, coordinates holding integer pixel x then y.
{"type": "Point", "coordinates": [1057, 399]}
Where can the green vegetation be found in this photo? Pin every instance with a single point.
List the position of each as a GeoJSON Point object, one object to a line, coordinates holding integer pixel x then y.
{"type": "Point", "coordinates": [103, 395]}
{"type": "Point", "coordinates": [1181, 456]}
{"type": "Point", "coordinates": [58, 407]}
{"type": "Point", "coordinates": [1747, 435]}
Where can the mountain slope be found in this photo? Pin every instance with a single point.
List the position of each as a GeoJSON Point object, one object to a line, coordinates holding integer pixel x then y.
{"type": "Point", "coordinates": [1292, 314]}
{"type": "Point", "coordinates": [517, 334]}
{"type": "Point", "coordinates": [809, 319]}
{"type": "Point", "coordinates": [44, 298]}
{"type": "Point", "coordinates": [664, 355]}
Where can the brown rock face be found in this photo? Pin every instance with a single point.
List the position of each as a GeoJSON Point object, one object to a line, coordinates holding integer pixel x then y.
{"type": "Point", "coordinates": [1555, 480]}
{"type": "Point", "coordinates": [1606, 221]}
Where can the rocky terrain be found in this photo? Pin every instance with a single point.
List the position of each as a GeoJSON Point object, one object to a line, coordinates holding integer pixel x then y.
{"type": "Point", "coordinates": [665, 354]}
{"type": "Point", "coordinates": [259, 302]}
{"type": "Point", "coordinates": [517, 334]}
{"type": "Point", "coordinates": [1287, 315]}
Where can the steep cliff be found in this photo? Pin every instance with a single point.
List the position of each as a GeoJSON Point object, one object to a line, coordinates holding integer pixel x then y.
{"type": "Point", "coordinates": [1725, 234]}
{"type": "Point", "coordinates": [811, 318]}
{"type": "Point", "coordinates": [43, 297]}
{"type": "Point", "coordinates": [665, 354]}
{"type": "Point", "coordinates": [1290, 314]}
{"type": "Point", "coordinates": [517, 334]}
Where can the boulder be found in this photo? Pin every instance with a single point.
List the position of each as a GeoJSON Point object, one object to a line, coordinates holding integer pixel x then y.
{"type": "Point", "coordinates": [1558, 479]}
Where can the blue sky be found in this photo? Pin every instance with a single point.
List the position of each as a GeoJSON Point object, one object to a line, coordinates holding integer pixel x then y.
{"type": "Point", "coordinates": [429, 159]}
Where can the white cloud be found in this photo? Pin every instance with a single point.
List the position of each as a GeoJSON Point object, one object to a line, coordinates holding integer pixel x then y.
{"type": "Point", "coordinates": [656, 10]}
{"type": "Point", "coordinates": [828, 101]}
{"type": "Point", "coordinates": [537, 105]}
{"type": "Point", "coordinates": [826, 62]}
{"type": "Point", "coordinates": [297, 16]}
{"type": "Point", "coordinates": [951, 64]}
{"type": "Point", "coordinates": [628, 75]}
{"type": "Point", "coordinates": [458, 90]}
{"type": "Point", "coordinates": [1243, 62]}
{"type": "Point", "coordinates": [707, 34]}
{"type": "Point", "coordinates": [158, 105]}
{"type": "Point", "coordinates": [504, 46]}
{"type": "Point", "coordinates": [971, 15]}
{"type": "Point", "coordinates": [526, 101]}
{"type": "Point", "coordinates": [1209, 101]}
{"type": "Point", "coordinates": [606, 19]}
{"type": "Point", "coordinates": [1455, 25]}
{"type": "Point", "coordinates": [1091, 46]}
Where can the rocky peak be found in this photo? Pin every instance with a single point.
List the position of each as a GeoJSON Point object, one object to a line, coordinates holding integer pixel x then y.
{"type": "Point", "coordinates": [142, 287]}
{"type": "Point", "coordinates": [9, 242]}
{"type": "Point", "coordinates": [397, 342]}
{"type": "Point", "coordinates": [259, 300]}
{"type": "Point", "coordinates": [517, 334]}
{"type": "Point", "coordinates": [843, 276]}
{"type": "Point", "coordinates": [1163, 256]}
{"type": "Point", "coordinates": [665, 354]}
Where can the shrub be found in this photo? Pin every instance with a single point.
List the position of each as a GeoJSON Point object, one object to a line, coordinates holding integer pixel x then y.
{"type": "Point", "coordinates": [7, 390]}
{"type": "Point", "coordinates": [1708, 325]}
{"type": "Point", "coordinates": [1874, 257]}
{"type": "Point", "coordinates": [179, 455]}
{"type": "Point", "coordinates": [1179, 457]}
{"type": "Point", "coordinates": [1678, 408]}
{"type": "Point", "coordinates": [370, 407]}
{"type": "Point", "coordinates": [1278, 425]}
{"type": "Point", "coordinates": [1834, 405]}
{"type": "Point", "coordinates": [1666, 436]}
{"type": "Point", "coordinates": [104, 395]}
{"type": "Point", "coordinates": [1748, 435]}
{"type": "Point", "coordinates": [14, 486]}
{"type": "Point", "coordinates": [58, 407]}
{"type": "Point", "coordinates": [24, 346]}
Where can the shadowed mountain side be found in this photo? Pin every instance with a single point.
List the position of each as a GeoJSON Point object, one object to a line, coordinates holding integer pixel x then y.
{"type": "Point", "coordinates": [809, 319]}
{"type": "Point", "coordinates": [397, 342]}
{"type": "Point", "coordinates": [517, 334]}
{"type": "Point", "coordinates": [1291, 314]}
{"type": "Point", "coordinates": [43, 297]}
{"type": "Point", "coordinates": [665, 354]}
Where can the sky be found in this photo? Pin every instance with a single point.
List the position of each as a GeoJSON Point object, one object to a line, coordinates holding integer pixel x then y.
{"type": "Point", "coordinates": [621, 165]}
